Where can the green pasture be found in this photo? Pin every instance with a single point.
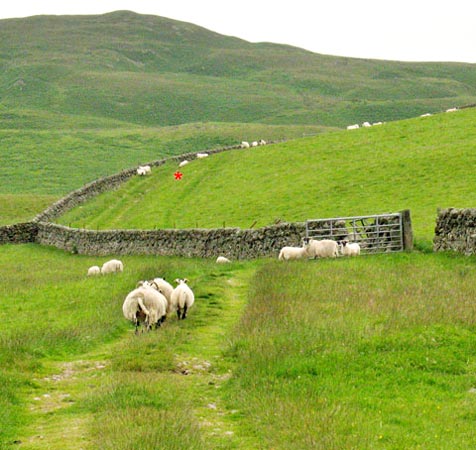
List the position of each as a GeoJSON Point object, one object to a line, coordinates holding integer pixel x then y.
{"type": "Point", "coordinates": [420, 164]}
{"type": "Point", "coordinates": [371, 352]}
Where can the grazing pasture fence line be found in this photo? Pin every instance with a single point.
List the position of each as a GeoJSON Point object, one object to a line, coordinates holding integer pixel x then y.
{"type": "Point", "coordinates": [455, 230]}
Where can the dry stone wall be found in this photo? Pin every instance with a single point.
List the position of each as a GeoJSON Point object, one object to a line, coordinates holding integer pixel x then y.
{"type": "Point", "coordinates": [456, 230]}
{"type": "Point", "coordinates": [234, 243]}
{"type": "Point", "coordinates": [19, 233]}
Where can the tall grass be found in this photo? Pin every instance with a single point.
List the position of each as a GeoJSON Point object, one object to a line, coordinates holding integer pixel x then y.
{"type": "Point", "coordinates": [366, 353]}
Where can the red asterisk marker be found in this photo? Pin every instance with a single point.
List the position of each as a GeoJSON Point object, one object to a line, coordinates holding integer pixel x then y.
{"type": "Point", "coordinates": [178, 175]}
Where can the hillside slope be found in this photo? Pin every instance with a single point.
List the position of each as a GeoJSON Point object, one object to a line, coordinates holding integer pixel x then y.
{"type": "Point", "coordinates": [418, 164]}
{"type": "Point", "coordinates": [151, 70]}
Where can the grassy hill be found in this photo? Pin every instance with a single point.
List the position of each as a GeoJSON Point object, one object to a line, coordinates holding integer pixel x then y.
{"type": "Point", "coordinates": [156, 71]}
{"type": "Point", "coordinates": [420, 164]}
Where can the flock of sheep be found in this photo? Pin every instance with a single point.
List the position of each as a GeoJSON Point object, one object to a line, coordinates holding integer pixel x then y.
{"type": "Point", "coordinates": [324, 248]}
{"type": "Point", "coordinates": [151, 301]}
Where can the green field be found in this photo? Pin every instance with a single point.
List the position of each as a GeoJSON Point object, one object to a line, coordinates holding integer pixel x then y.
{"type": "Point", "coordinates": [418, 164]}
{"type": "Point", "coordinates": [375, 352]}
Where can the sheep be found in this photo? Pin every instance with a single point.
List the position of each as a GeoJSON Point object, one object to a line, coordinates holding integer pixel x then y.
{"type": "Point", "coordinates": [452, 110]}
{"type": "Point", "coordinates": [145, 304]}
{"type": "Point", "coordinates": [114, 265]}
{"type": "Point", "coordinates": [94, 270]}
{"type": "Point", "coordinates": [261, 142]}
{"type": "Point", "coordinates": [166, 289]}
{"type": "Point", "coordinates": [254, 144]}
{"type": "Point", "coordinates": [143, 170]}
{"type": "Point", "coordinates": [353, 127]}
{"type": "Point", "coordinates": [377, 123]}
{"type": "Point", "coordinates": [245, 144]}
{"type": "Point", "coordinates": [366, 125]}
{"type": "Point", "coordinates": [426, 115]}
{"type": "Point", "coordinates": [183, 163]}
{"type": "Point", "coordinates": [182, 298]}
{"type": "Point", "coordinates": [349, 249]}
{"type": "Point", "coordinates": [290, 253]}
{"type": "Point", "coordinates": [222, 260]}
{"type": "Point", "coordinates": [325, 248]}
{"type": "Point", "coordinates": [202, 155]}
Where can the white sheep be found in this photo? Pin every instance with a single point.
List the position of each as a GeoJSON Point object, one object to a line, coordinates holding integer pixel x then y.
{"type": "Point", "coordinates": [425, 115]}
{"type": "Point", "coordinates": [245, 144]}
{"type": "Point", "coordinates": [222, 260]}
{"type": "Point", "coordinates": [166, 289]}
{"type": "Point", "coordinates": [349, 249]}
{"type": "Point", "coordinates": [290, 253]}
{"type": "Point", "coordinates": [324, 248]}
{"type": "Point", "coordinates": [114, 265]}
{"type": "Point", "coordinates": [146, 305]}
{"type": "Point", "coordinates": [261, 142]}
{"type": "Point", "coordinates": [377, 123]}
{"type": "Point", "coordinates": [94, 270]}
{"type": "Point", "coordinates": [183, 163]}
{"type": "Point", "coordinates": [141, 171]}
{"type": "Point", "coordinates": [353, 127]}
{"type": "Point", "coordinates": [452, 110]}
{"type": "Point", "coordinates": [366, 124]}
{"type": "Point", "coordinates": [254, 144]}
{"type": "Point", "coordinates": [202, 155]}
{"type": "Point", "coordinates": [182, 298]}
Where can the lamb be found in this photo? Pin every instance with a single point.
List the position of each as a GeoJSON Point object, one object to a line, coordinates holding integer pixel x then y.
{"type": "Point", "coordinates": [290, 253]}
{"type": "Point", "coordinates": [353, 127]}
{"type": "Point", "coordinates": [349, 249]}
{"type": "Point", "coordinates": [222, 260]}
{"type": "Point", "coordinates": [245, 144]}
{"type": "Point", "coordinates": [146, 305]}
{"type": "Point", "coordinates": [202, 155]}
{"type": "Point", "coordinates": [112, 266]}
{"type": "Point", "coordinates": [182, 298]}
{"type": "Point", "coordinates": [183, 163]}
{"type": "Point", "coordinates": [325, 248]}
{"type": "Point", "coordinates": [94, 270]}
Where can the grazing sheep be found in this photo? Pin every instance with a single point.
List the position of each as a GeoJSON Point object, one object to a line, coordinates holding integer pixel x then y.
{"type": "Point", "coordinates": [94, 270]}
{"type": "Point", "coordinates": [146, 305]}
{"type": "Point", "coordinates": [222, 260]}
{"type": "Point", "coordinates": [325, 248]}
{"type": "Point", "coordinates": [183, 163]}
{"type": "Point", "coordinates": [366, 125]}
{"type": "Point", "coordinates": [377, 123]}
{"type": "Point", "coordinates": [353, 127]}
{"type": "Point", "coordinates": [166, 289]}
{"type": "Point", "coordinates": [114, 265]}
{"type": "Point", "coordinates": [245, 144]}
{"type": "Point", "coordinates": [290, 253]}
{"type": "Point", "coordinates": [349, 249]}
{"type": "Point", "coordinates": [182, 298]}
{"type": "Point", "coordinates": [202, 155]}
{"type": "Point", "coordinates": [452, 110]}
{"type": "Point", "coordinates": [261, 142]}
{"type": "Point", "coordinates": [254, 144]}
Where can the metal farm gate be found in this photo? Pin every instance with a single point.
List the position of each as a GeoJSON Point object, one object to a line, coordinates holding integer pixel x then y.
{"type": "Point", "coordinates": [376, 234]}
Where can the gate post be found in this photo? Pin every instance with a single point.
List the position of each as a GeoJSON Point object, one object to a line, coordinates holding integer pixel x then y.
{"type": "Point", "coordinates": [407, 230]}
